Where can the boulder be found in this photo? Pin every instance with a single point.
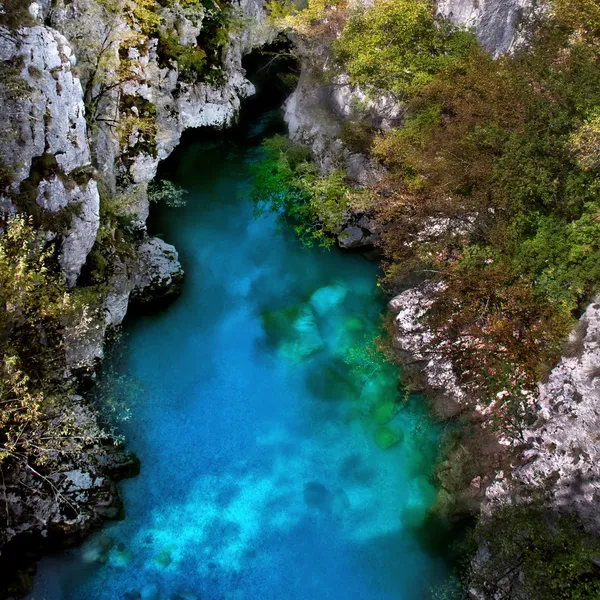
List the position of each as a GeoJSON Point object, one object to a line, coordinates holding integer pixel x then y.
{"type": "Point", "coordinates": [158, 274]}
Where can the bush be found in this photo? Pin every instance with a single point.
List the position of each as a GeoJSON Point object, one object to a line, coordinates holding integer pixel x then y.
{"type": "Point", "coordinates": [286, 181]}
{"type": "Point", "coordinates": [528, 552]}
{"type": "Point", "coordinates": [397, 46]}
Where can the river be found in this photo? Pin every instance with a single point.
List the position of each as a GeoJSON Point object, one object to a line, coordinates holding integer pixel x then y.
{"type": "Point", "coordinates": [261, 422]}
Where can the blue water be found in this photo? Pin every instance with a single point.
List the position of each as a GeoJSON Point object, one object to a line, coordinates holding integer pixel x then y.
{"type": "Point", "coordinates": [258, 420]}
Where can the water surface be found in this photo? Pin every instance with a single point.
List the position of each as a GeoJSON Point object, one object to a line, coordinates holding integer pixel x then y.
{"type": "Point", "coordinates": [261, 422]}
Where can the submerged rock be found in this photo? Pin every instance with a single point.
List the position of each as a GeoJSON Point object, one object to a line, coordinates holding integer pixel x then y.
{"type": "Point", "coordinates": [163, 559]}
{"type": "Point", "coordinates": [340, 504]}
{"type": "Point", "coordinates": [334, 382]}
{"type": "Point", "coordinates": [316, 495]}
{"type": "Point", "coordinates": [327, 298]}
{"type": "Point", "coordinates": [97, 550]}
{"type": "Point", "coordinates": [384, 412]}
{"type": "Point", "coordinates": [295, 330]}
{"type": "Point", "coordinates": [386, 438]}
{"type": "Point", "coordinates": [120, 556]}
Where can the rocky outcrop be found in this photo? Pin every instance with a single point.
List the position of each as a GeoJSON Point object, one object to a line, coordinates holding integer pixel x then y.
{"type": "Point", "coordinates": [498, 23]}
{"type": "Point", "coordinates": [317, 110]}
{"type": "Point", "coordinates": [159, 274]}
{"type": "Point", "coordinates": [563, 453]}
{"type": "Point", "coordinates": [44, 512]}
{"type": "Point", "coordinates": [411, 339]}
{"type": "Point", "coordinates": [44, 151]}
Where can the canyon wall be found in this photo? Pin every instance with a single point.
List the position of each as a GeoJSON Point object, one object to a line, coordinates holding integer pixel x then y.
{"type": "Point", "coordinates": [72, 170]}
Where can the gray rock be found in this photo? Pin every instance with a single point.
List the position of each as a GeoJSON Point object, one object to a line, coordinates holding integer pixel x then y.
{"type": "Point", "coordinates": [497, 22]}
{"type": "Point", "coordinates": [563, 447]}
{"type": "Point", "coordinates": [45, 143]}
{"type": "Point", "coordinates": [159, 273]}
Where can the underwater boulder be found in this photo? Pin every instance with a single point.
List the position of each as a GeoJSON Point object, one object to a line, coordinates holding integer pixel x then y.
{"type": "Point", "coordinates": [119, 556]}
{"type": "Point", "coordinates": [163, 559]}
{"type": "Point", "coordinates": [327, 298]}
{"type": "Point", "coordinates": [384, 412]}
{"type": "Point", "coordinates": [387, 438]}
{"type": "Point", "coordinates": [295, 330]}
{"type": "Point", "coordinates": [335, 381]}
{"type": "Point", "coordinates": [307, 339]}
{"type": "Point", "coordinates": [316, 495]}
{"type": "Point", "coordinates": [97, 550]}
{"type": "Point", "coordinates": [354, 324]}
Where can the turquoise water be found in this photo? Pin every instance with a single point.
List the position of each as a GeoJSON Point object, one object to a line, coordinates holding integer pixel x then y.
{"type": "Point", "coordinates": [261, 422]}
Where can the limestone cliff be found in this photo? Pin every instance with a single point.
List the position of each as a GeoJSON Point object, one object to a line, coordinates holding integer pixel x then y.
{"type": "Point", "coordinates": [44, 150]}
{"type": "Point", "coordinates": [88, 109]}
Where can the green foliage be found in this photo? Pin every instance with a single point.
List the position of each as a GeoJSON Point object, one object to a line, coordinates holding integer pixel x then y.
{"type": "Point", "coordinates": [203, 61]}
{"type": "Point", "coordinates": [286, 181]}
{"type": "Point", "coordinates": [191, 60]}
{"type": "Point", "coordinates": [36, 426]}
{"type": "Point", "coordinates": [397, 46]}
{"type": "Point", "coordinates": [311, 18]}
{"type": "Point", "coordinates": [500, 155]}
{"type": "Point", "coordinates": [530, 553]}
{"type": "Point", "coordinates": [15, 14]}
{"type": "Point", "coordinates": [168, 192]}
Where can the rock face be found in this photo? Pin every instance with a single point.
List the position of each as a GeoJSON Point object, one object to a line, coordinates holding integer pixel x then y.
{"type": "Point", "coordinates": [51, 163]}
{"type": "Point", "coordinates": [564, 454]}
{"type": "Point", "coordinates": [497, 22]}
{"type": "Point", "coordinates": [84, 495]}
{"type": "Point", "coordinates": [159, 274]}
{"type": "Point", "coordinates": [412, 336]}
{"type": "Point", "coordinates": [315, 114]}
{"type": "Point", "coordinates": [45, 147]}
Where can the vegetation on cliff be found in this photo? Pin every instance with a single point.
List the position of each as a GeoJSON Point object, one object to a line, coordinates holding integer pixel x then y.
{"type": "Point", "coordinates": [38, 427]}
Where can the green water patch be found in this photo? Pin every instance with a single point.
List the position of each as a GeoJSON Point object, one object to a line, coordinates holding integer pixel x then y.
{"type": "Point", "coordinates": [387, 438]}
{"type": "Point", "coordinates": [350, 369]}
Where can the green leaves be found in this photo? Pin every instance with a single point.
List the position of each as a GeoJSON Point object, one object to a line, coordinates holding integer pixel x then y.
{"type": "Point", "coordinates": [285, 181]}
{"type": "Point", "coordinates": [397, 46]}
{"type": "Point", "coordinates": [531, 553]}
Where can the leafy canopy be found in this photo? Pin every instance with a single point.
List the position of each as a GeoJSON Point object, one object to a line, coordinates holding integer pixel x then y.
{"type": "Point", "coordinates": [398, 46]}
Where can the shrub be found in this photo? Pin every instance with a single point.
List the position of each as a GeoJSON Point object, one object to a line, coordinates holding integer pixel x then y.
{"type": "Point", "coordinates": [529, 552]}
{"type": "Point", "coordinates": [398, 46]}
{"type": "Point", "coordinates": [286, 181]}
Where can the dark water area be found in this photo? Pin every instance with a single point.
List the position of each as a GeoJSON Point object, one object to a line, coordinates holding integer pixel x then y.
{"type": "Point", "coordinates": [280, 461]}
